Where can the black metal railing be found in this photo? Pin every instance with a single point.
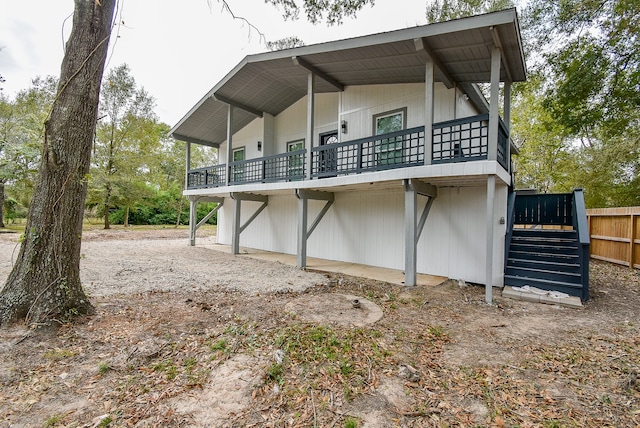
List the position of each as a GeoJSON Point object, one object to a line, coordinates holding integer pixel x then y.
{"type": "Point", "coordinates": [389, 151]}
{"type": "Point", "coordinates": [459, 140]}
{"type": "Point", "coordinates": [288, 166]}
{"type": "Point", "coordinates": [211, 176]}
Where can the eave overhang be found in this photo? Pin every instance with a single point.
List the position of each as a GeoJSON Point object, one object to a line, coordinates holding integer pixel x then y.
{"type": "Point", "coordinates": [271, 82]}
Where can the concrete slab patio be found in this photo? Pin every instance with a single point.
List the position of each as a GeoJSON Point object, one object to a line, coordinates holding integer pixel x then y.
{"type": "Point", "coordinates": [391, 276]}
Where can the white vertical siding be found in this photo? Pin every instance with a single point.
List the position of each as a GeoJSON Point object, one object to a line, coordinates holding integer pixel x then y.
{"type": "Point", "coordinates": [368, 228]}
{"type": "Point", "coordinates": [291, 124]}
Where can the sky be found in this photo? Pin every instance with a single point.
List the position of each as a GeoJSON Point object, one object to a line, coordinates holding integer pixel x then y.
{"type": "Point", "coordinates": [176, 50]}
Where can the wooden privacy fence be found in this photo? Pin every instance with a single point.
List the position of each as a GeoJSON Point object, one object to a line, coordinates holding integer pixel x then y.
{"type": "Point", "coordinates": [615, 235]}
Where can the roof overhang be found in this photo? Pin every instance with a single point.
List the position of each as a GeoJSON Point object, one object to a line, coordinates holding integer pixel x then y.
{"type": "Point", "coordinates": [271, 82]}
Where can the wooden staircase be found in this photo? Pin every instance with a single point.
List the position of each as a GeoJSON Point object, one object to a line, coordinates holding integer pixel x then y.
{"type": "Point", "coordinates": [548, 259]}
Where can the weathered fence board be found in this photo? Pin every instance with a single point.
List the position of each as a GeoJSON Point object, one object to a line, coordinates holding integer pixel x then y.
{"type": "Point", "coordinates": [615, 235]}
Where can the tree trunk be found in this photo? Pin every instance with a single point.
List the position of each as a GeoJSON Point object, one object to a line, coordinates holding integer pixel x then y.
{"type": "Point", "coordinates": [126, 217]}
{"type": "Point", "coordinates": [45, 281]}
{"type": "Point", "coordinates": [179, 211]}
{"type": "Point", "coordinates": [1, 203]}
{"type": "Point", "coordinates": [107, 207]}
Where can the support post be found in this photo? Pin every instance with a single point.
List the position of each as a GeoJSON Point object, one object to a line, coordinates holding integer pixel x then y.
{"type": "Point", "coordinates": [187, 166]}
{"type": "Point", "coordinates": [237, 207]}
{"type": "Point", "coordinates": [303, 207]}
{"type": "Point", "coordinates": [235, 227]}
{"type": "Point", "coordinates": [194, 225]}
{"type": "Point", "coordinates": [507, 121]}
{"type": "Point", "coordinates": [492, 149]}
{"type": "Point", "coordinates": [412, 227]}
{"type": "Point", "coordinates": [229, 144]}
{"type": "Point", "coordinates": [410, 248]}
{"type": "Point", "coordinates": [491, 191]}
{"type": "Point", "coordinates": [429, 80]}
{"type": "Point", "coordinates": [193, 218]}
{"type": "Point", "coordinates": [311, 88]}
{"type": "Point", "coordinates": [304, 232]}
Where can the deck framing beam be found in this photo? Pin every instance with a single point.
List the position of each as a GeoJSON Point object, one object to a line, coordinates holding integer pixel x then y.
{"type": "Point", "coordinates": [412, 226]}
{"type": "Point", "coordinates": [297, 60]}
{"type": "Point", "coordinates": [304, 233]}
{"type": "Point", "coordinates": [422, 46]}
{"type": "Point", "coordinates": [236, 104]}
{"type": "Point", "coordinates": [238, 197]}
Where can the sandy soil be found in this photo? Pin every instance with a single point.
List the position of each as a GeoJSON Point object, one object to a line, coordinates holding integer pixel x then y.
{"type": "Point", "coordinates": [188, 336]}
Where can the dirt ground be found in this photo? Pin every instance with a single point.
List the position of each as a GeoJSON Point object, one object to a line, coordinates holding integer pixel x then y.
{"type": "Point", "coordinates": [189, 336]}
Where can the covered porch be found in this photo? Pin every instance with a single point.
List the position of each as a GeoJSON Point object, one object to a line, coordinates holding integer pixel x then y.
{"type": "Point", "coordinates": [453, 141]}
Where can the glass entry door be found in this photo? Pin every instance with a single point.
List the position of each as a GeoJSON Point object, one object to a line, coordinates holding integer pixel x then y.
{"type": "Point", "coordinates": [329, 157]}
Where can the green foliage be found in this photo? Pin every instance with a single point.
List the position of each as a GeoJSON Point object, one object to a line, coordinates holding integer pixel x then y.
{"type": "Point", "coordinates": [331, 11]}
{"type": "Point", "coordinates": [21, 135]}
{"type": "Point", "coordinates": [286, 43]}
{"type": "Point", "coordinates": [445, 10]}
{"type": "Point", "coordinates": [587, 105]}
{"type": "Point", "coordinates": [350, 422]}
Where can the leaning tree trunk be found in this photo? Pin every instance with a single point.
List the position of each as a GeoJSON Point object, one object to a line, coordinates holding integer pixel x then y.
{"type": "Point", "coordinates": [1, 203]}
{"type": "Point", "coordinates": [45, 281]}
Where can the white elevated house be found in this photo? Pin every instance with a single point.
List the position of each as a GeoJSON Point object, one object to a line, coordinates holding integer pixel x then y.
{"type": "Point", "coordinates": [323, 150]}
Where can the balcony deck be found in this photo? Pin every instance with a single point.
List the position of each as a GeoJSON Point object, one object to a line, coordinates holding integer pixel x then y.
{"type": "Point", "coordinates": [393, 156]}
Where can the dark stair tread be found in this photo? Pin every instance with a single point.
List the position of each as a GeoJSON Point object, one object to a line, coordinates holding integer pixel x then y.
{"type": "Point", "coordinates": [525, 272]}
{"type": "Point", "coordinates": [534, 281]}
{"type": "Point", "coordinates": [547, 263]}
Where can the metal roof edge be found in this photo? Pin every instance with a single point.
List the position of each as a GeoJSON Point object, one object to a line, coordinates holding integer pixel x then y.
{"type": "Point", "coordinates": [502, 17]}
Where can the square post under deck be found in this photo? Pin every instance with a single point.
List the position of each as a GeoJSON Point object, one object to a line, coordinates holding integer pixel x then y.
{"type": "Point", "coordinates": [507, 122]}
{"type": "Point", "coordinates": [428, 111]}
{"type": "Point", "coordinates": [491, 192]}
{"type": "Point", "coordinates": [311, 89]}
{"type": "Point", "coordinates": [305, 232]}
{"type": "Point", "coordinates": [492, 149]}
{"type": "Point", "coordinates": [229, 144]}
{"type": "Point", "coordinates": [412, 227]}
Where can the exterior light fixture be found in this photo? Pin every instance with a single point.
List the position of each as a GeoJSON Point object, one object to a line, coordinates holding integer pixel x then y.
{"type": "Point", "coordinates": [343, 126]}
{"type": "Point", "coordinates": [259, 146]}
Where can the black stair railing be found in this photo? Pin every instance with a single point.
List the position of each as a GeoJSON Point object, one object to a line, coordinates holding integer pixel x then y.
{"type": "Point", "coordinates": [579, 214]}
{"type": "Point", "coordinates": [561, 209]}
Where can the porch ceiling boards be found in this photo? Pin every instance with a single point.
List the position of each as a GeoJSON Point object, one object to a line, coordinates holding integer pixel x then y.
{"type": "Point", "coordinates": [272, 81]}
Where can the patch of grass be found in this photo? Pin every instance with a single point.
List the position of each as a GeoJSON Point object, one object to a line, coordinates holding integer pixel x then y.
{"type": "Point", "coordinates": [105, 422]}
{"type": "Point", "coordinates": [53, 420]}
{"type": "Point", "coordinates": [350, 422]}
{"type": "Point", "coordinates": [436, 331]}
{"type": "Point", "coordinates": [57, 354]}
{"type": "Point", "coordinates": [189, 364]}
{"type": "Point", "coordinates": [103, 368]}
{"type": "Point", "coordinates": [274, 373]}
{"type": "Point", "coordinates": [219, 345]}
{"type": "Point", "coordinates": [168, 367]}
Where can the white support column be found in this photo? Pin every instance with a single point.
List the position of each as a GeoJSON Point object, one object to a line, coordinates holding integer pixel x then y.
{"type": "Point", "coordinates": [311, 89]}
{"type": "Point", "coordinates": [410, 226]}
{"type": "Point", "coordinates": [235, 227]}
{"type": "Point", "coordinates": [507, 121]}
{"type": "Point", "coordinates": [492, 149]}
{"type": "Point", "coordinates": [303, 208]}
{"type": "Point", "coordinates": [187, 166]}
{"type": "Point", "coordinates": [429, 81]}
{"type": "Point", "coordinates": [193, 220]}
{"type": "Point", "coordinates": [229, 144]}
{"type": "Point", "coordinates": [491, 191]}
